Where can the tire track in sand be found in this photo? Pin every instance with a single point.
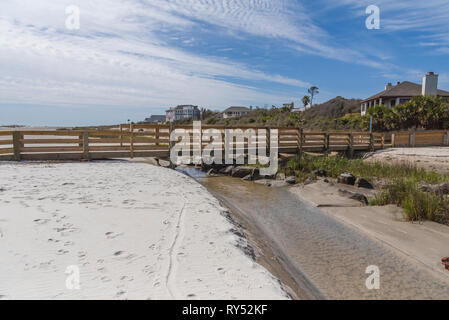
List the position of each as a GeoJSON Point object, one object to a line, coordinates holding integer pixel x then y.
{"type": "Point", "coordinates": [173, 253]}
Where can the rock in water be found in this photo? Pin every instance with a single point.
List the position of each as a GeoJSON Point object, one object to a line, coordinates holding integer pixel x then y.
{"type": "Point", "coordinates": [241, 172]}
{"type": "Point", "coordinates": [363, 183]}
{"type": "Point", "coordinates": [346, 178]}
{"type": "Point", "coordinates": [227, 170]}
{"type": "Point", "coordinates": [211, 173]}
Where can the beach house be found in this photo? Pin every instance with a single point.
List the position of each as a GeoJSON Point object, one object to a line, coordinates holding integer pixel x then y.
{"type": "Point", "coordinates": [404, 91]}
{"type": "Point", "coordinates": [183, 112]}
{"type": "Point", "coordinates": [233, 112]}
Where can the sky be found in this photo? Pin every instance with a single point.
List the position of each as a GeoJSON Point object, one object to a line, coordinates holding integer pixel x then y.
{"type": "Point", "coordinates": [132, 58]}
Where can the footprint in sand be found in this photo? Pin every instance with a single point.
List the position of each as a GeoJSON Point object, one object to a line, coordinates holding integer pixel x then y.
{"type": "Point", "coordinates": [113, 235]}
{"type": "Point", "coordinates": [41, 221]}
{"type": "Point", "coordinates": [62, 251]}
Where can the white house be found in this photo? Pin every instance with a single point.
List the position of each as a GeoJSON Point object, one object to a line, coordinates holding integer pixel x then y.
{"type": "Point", "coordinates": [404, 91]}
{"type": "Point", "coordinates": [183, 112]}
{"type": "Point", "coordinates": [233, 112]}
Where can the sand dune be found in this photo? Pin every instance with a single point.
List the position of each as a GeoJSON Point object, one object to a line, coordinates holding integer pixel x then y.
{"type": "Point", "coordinates": [133, 231]}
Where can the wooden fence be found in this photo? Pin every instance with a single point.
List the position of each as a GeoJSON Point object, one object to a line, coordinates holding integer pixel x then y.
{"type": "Point", "coordinates": [420, 139]}
{"type": "Point", "coordinates": [143, 140]}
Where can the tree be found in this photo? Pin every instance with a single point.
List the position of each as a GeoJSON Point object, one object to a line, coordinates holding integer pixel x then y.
{"type": "Point", "coordinates": [305, 101]}
{"type": "Point", "coordinates": [313, 91]}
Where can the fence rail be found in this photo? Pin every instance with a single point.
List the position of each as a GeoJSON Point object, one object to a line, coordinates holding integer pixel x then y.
{"type": "Point", "coordinates": [143, 140]}
{"type": "Point", "coordinates": [420, 139]}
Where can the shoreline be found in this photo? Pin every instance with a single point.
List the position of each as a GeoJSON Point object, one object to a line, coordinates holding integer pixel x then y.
{"type": "Point", "coordinates": [279, 265]}
{"type": "Point", "coordinates": [386, 225]}
{"type": "Point", "coordinates": [406, 278]}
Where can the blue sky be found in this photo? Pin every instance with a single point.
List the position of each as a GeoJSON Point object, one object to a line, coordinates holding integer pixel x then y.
{"type": "Point", "coordinates": [133, 58]}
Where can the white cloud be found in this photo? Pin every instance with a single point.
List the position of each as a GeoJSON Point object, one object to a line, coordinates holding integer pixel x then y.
{"type": "Point", "coordinates": [116, 58]}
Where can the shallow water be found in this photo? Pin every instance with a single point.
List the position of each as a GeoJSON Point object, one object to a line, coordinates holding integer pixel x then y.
{"type": "Point", "coordinates": [330, 255]}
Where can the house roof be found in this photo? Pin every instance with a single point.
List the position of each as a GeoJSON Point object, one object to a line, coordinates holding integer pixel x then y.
{"type": "Point", "coordinates": [182, 106]}
{"type": "Point", "coordinates": [404, 89]}
{"type": "Point", "coordinates": [156, 117]}
{"type": "Point", "coordinates": [237, 109]}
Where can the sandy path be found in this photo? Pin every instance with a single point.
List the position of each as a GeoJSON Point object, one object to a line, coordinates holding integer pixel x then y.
{"type": "Point", "coordinates": [430, 158]}
{"type": "Point", "coordinates": [133, 231]}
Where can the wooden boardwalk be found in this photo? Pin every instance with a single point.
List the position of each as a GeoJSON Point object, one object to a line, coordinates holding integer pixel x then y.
{"type": "Point", "coordinates": [142, 140]}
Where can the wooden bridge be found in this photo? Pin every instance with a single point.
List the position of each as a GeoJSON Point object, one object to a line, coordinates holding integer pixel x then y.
{"type": "Point", "coordinates": [142, 140]}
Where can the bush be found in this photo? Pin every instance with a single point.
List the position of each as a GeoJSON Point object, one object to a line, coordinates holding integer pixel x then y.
{"type": "Point", "coordinates": [417, 205]}
{"type": "Point", "coordinates": [427, 112]}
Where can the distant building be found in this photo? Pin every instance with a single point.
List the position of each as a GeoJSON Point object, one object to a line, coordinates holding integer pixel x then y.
{"type": "Point", "coordinates": [291, 106]}
{"type": "Point", "coordinates": [404, 91]}
{"type": "Point", "coordinates": [183, 112]}
{"type": "Point", "coordinates": [155, 119]}
{"type": "Point", "coordinates": [170, 114]}
{"type": "Point", "coordinates": [233, 112]}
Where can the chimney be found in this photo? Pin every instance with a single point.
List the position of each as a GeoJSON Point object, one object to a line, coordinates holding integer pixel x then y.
{"type": "Point", "coordinates": [388, 86]}
{"type": "Point", "coordinates": [430, 84]}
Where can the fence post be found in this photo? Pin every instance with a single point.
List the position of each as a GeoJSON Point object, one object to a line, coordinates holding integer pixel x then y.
{"type": "Point", "coordinates": [371, 141]}
{"type": "Point", "coordinates": [156, 135]}
{"type": "Point", "coordinates": [16, 144]}
{"type": "Point", "coordinates": [170, 144]}
{"type": "Point", "coordinates": [382, 144]}
{"type": "Point", "coordinates": [446, 138]}
{"type": "Point", "coordinates": [351, 145]}
{"type": "Point", "coordinates": [326, 143]}
{"type": "Point", "coordinates": [393, 138]}
{"type": "Point", "coordinates": [412, 139]}
{"type": "Point", "coordinates": [300, 142]}
{"type": "Point", "coordinates": [86, 144]}
{"type": "Point", "coordinates": [131, 138]}
{"type": "Point", "coordinates": [121, 135]}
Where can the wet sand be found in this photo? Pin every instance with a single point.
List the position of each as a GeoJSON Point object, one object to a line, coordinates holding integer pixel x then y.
{"type": "Point", "coordinates": [323, 257]}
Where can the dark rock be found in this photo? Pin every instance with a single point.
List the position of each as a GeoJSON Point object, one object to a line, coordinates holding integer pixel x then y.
{"type": "Point", "coordinates": [354, 196]}
{"type": "Point", "coordinates": [227, 170]}
{"type": "Point", "coordinates": [309, 181]}
{"type": "Point", "coordinates": [280, 176]}
{"type": "Point", "coordinates": [346, 178]}
{"type": "Point", "coordinates": [326, 180]}
{"type": "Point", "coordinates": [290, 180]}
{"type": "Point", "coordinates": [320, 173]}
{"type": "Point", "coordinates": [441, 189]}
{"type": "Point", "coordinates": [359, 197]}
{"type": "Point", "coordinates": [211, 173]}
{"type": "Point", "coordinates": [363, 183]}
{"type": "Point", "coordinates": [240, 172]}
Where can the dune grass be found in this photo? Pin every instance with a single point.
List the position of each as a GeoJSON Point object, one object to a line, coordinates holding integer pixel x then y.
{"type": "Point", "coordinates": [403, 181]}
{"type": "Point", "coordinates": [335, 166]}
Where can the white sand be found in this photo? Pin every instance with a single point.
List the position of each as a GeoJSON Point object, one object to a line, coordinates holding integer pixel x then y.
{"type": "Point", "coordinates": [429, 158]}
{"type": "Point", "coordinates": [135, 231]}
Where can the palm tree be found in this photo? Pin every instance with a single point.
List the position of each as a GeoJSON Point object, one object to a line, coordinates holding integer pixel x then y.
{"type": "Point", "coordinates": [313, 91]}
{"type": "Point", "coordinates": [305, 101]}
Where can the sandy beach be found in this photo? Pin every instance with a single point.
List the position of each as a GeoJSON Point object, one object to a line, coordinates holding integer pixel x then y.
{"type": "Point", "coordinates": [429, 158]}
{"type": "Point", "coordinates": [131, 230]}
